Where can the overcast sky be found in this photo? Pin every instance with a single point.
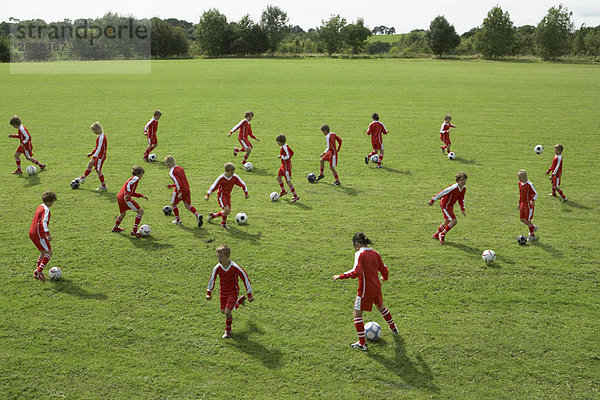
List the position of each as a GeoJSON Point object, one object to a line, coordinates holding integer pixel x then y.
{"type": "Point", "coordinates": [402, 15]}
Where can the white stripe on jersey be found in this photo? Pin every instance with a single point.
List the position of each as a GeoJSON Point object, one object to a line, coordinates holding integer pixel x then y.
{"type": "Point", "coordinates": [45, 218]}
{"type": "Point", "coordinates": [172, 175]}
{"type": "Point", "coordinates": [25, 134]}
{"type": "Point", "coordinates": [235, 128]}
{"type": "Point", "coordinates": [148, 124]}
{"type": "Point", "coordinates": [532, 188]}
{"type": "Point", "coordinates": [131, 183]}
{"type": "Point", "coordinates": [557, 165]}
{"type": "Point", "coordinates": [214, 185]}
{"type": "Point", "coordinates": [100, 141]}
{"type": "Point", "coordinates": [242, 182]}
{"type": "Point", "coordinates": [445, 191]}
{"type": "Point", "coordinates": [286, 151]}
{"type": "Point", "coordinates": [244, 276]}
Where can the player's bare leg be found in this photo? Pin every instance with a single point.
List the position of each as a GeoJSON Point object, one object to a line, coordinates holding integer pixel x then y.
{"type": "Point", "coordinates": [18, 171]}
{"type": "Point", "coordinates": [337, 179]}
{"type": "Point", "coordinates": [248, 151]}
{"type": "Point", "coordinates": [380, 158]}
{"type": "Point", "coordinates": [138, 219]}
{"type": "Point", "coordinates": [228, 323]}
{"type": "Point", "coordinates": [224, 215]}
{"type": "Point", "coordinates": [321, 176]}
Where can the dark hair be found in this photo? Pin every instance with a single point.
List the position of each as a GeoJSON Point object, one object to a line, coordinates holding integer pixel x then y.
{"type": "Point", "coordinates": [14, 120]}
{"type": "Point", "coordinates": [248, 113]}
{"type": "Point", "coordinates": [280, 139]}
{"type": "Point", "coordinates": [460, 175]}
{"type": "Point", "coordinates": [375, 116]}
{"type": "Point", "coordinates": [361, 238]}
{"type": "Point", "coordinates": [137, 170]}
{"type": "Point", "coordinates": [559, 147]}
{"type": "Point", "coordinates": [325, 128]}
{"type": "Point", "coordinates": [48, 196]}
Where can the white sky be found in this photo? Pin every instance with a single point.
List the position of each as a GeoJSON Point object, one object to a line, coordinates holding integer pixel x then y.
{"type": "Point", "coordinates": [402, 15]}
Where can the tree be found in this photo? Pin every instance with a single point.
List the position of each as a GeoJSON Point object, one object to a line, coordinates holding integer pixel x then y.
{"type": "Point", "coordinates": [356, 35]}
{"type": "Point", "coordinates": [496, 38]}
{"type": "Point", "coordinates": [274, 23]}
{"type": "Point", "coordinates": [442, 36]}
{"type": "Point", "coordinates": [390, 31]}
{"type": "Point", "coordinates": [249, 37]}
{"type": "Point", "coordinates": [552, 34]}
{"type": "Point", "coordinates": [210, 32]}
{"type": "Point", "coordinates": [4, 49]}
{"type": "Point", "coordinates": [330, 33]}
{"type": "Point", "coordinates": [525, 40]}
{"type": "Point", "coordinates": [168, 40]}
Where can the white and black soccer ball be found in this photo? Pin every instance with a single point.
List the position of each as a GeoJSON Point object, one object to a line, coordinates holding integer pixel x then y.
{"type": "Point", "coordinates": [372, 330]}
{"type": "Point", "coordinates": [248, 166]}
{"type": "Point", "coordinates": [521, 239]}
{"type": "Point", "coordinates": [241, 218]}
{"type": "Point", "coordinates": [311, 178]}
{"type": "Point", "coordinates": [145, 230]}
{"type": "Point", "coordinates": [539, 149]}
{"type": "Point", "coordinates": [168, 210]}
{"type": "Point", "coordinates": [374, 158]}
{"type": "Point", "coordinates": [152, 157]}
{"type": "Point", "coordinates": [274, 196]}
{"type": "Point", "coordinates": [31, 170]}
{"type": "Point", "coordinates": [451, 156]}
{"type": "Point", "coordinates": [75, 184]}
{"type": "Point", "coordinates": [55, 273]}
{"type": "Point", "coordinates": [488, 256]}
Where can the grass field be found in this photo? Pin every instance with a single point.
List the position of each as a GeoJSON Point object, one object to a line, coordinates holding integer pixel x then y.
{"type": "Point", "coordinates": [385, 38]}
{"type": "Point", "coordinates": [129, 319]}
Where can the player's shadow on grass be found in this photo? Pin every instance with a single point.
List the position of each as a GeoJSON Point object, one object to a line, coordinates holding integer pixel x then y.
{"type": "Point", "coordinates": [465, 161]}
{"type": "Point", "coordinates": [194, 230]}
{"type": "Point", "coordinates": [467, 249]}
{"type": "Point", "coordinates": [32, 180]}
{"type": "Point", "coordinates": [350, 191]}
{"type": "Point", "coordinates": [556, 253]}
{"type": "Point", "coordinates": [147, 242]}
{"type": "Point", "coordinates": [414, 374]}
{"type": "Point", "coordinates": [71, 288]}
{"type": "Point", "coordinates": [270, 357]}
{"type": "Point", "coordinates": [240, 234]}
{"type": "Point", "coordinates": [298, 204]}
{"type": "Point", "coordinates": [396, 171]}
{"type": "Point", "coordinates": [576, 205]}
{"type": "Point", "coordinates": [259, 171]}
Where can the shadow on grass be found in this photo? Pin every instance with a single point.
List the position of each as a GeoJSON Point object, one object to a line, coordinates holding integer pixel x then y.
{"type": "Point", "coordinates": [147, 242]}
{"type": "Point", "coordinates": [576, 205]}
{"type": "Point", "coordinates": [240, 234]}
{"type": "Point", "coordinates": [548, 249]}
{"type": "Point", "coordinates": [396, 171]}
{"type": "Point", "coordinates": [194, 230]}
{"type": "Point", "coordinates": [270, 358]}
{"type": "Point", "coordinates": [467, 249]}
{"type": "Point", "coordinates": [414, 374]}
{"type": "Point", "coordinates": [465, 161]}
{"type": "Point", "coordinates": [71, 288]}
{"type": "Point", "coordinates": [32, 180]}
{"type": "Point", "coordinates": [260, 171]}
{"type": "Point", "coordinates": [348, 190]}
{"type": "Point", "coordinates": [298, 204]}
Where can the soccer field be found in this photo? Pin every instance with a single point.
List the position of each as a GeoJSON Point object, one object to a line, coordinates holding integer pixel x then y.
{"type": "Point", "coordinates": [129, 319]}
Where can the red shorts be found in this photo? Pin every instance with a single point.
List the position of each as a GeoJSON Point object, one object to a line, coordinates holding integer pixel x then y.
{"type": "Point", "coordinates": [448, 212]}
{"type": "Point", "coordinates": [555, 181]}
{"type": "Point", "coordinates": [377, 145]}
{"type": "Point", "coordinates": [185, 197]}
{"type": "Point", "coordinates": [245, 143]}
{"type": "Point", "coordinates": [224, 200]}
{"type": "Point", "coordinates": [98, 163]}
{"type": "Point", "coordinates": [329, 156]}
{"type": "Point", "coordinates": [152, 140]}
{"type": "Point", "coordinates": [27, 150]}
{"type": "Point", "coordinates": [286, 173]}
{"type": "Point", "coordinates": [228, 301]}
{"type": "Point", "coordinates": [445, 137]}
{"type": "Point", "coordinates": [40, 242]}
{"type": "Point", "coordinates": [366, 303]}
{"type": "Point", "coordinates": [525, 212]}
{"type": "Point", "coordinates": [127, 205]}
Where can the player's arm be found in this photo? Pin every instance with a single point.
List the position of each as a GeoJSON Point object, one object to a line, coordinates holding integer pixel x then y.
{"type": "Point", "coordinates": [235, 128]}
{"type": "Point", "coordinates": [211, 283]}
{"type": "Point", "coordinates": [246, 282]}
{"type": "Point", "coordinates": [13, 136]}
{"type": "Point", "coordinates": [251, 134]}
{"type": "Point", "coordinates": [285, 155]}
{"type": "Point", "coordinates": [354, 272]}
{"type": "Point", "coordinates": [239, 182]}
{"type": "Point", "coordinates": [441, 194]}
{"type": "Point", "coordinates": [45, 223]}
{"type": "Point", "coordinates": [339, 141]}
{"type": "Point", "coordinates": [212, 187]}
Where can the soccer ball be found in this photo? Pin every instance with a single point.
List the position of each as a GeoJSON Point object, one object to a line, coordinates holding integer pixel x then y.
{"type": "Point", "coordinates": [167, 210]}
{"type": "Point", "coordinates": [241, 218]}
{"type": "Point", "coordinates": [274, 196]}
{"type": "Point", "coordinates": [374, 158]}
{"type": "Point", "coordinates": [152, 157]}
{"type": "Point", "coordinates": [31, 170]}
{"type": "Point", "coordinates": [521, 239]}
{"type": "Point", "coordinates": [451, 156]}
{"type": "Point", "coordinates": [311, 178]}
{"type": "Point", "coordinates": [248, 166]}
{"type": "Point", "coordinates": [372, 330]}
{"type": "Point", "coordinates": [539, 149]}
{"type": "Point", "coordinates": [75, 184]}
{"type": "Point", "coordinates": [55, 273]}
{"type": "Point", "coordinates": [145, 230]}
{"type": "Point", "coordinates": [488, 256]}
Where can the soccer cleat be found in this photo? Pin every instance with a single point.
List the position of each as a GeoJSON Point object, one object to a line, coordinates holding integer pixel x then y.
{"type": "Point", "coordinates": [283, 193]}
{"type": "Point", "coordinates": [80, 179]}
{"type": "Point", "coordinates": [101, 188]}
{"type": "Point", "coordinates": [552, 194]}
{"type": "Point", "coordinates": [320, 177]}
{"type": "Point", "coordinates": [117, 229]}
{"type": "Point", "coordinates": [295, 199]}
{"type": "Point", "coordinates": [367, 160]}
{"type": "Point", "coordinates": [18, 171]}
{"type": "Point", "coordinates": [200, 220]}
{"type": "Point", "coordinates": [177, 222]}
{"type": "Point", "coordinates": [564, 199]}
{"type": "Point", "coordinates": [436, 235]}
{"type": "Point", "coordinates": [211, 216]}
{"type": "Point", "coordinates": [225, 226]}
{"type": "Point", "coordinates": [226, 335]}
{"type": "Point", "coordinates": [135, 234]}
{"type": "Point", "coordinates": [442, 239]}
{"type": "Point", "coordinates": [535, 228]}
{"type": "Point", "coordinates": [395, 330]}
{"type": "Point", "coordinates": [379, 166]}
{"type": "Point", "coordinates": [336, 183]}
{"type": "Point", "coordinates": [359, 346]}
{"type": "Point", "coordinates": [235, 151]}
{"type": "Point", "coordinates": [442, 147]}
{"type": "Point", "coordinates": [37, 274]}
{"type": "Point", "coordinates": [531, 238]}
{"type": "Point", "coordinates": [42, 166]}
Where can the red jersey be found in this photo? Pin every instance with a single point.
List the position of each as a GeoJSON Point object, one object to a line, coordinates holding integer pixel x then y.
{"type": "Point", "coordinates": [286, 154]}
{"type": "Point", "coordinates": [527, 192]}
{"type": "Point", "coordinates": [451, 195]}
{"type": "Point", "coordinates": [556, 167]}
{"type": "Point", "coordinates": [179, 180]}
{"type": "Point", "coordinates": [331, 138]}
{"type": "Point", "coordinates": [245, 130]}
{"type": "Point", "coordinates": [375, 130]}
{"type": "Point", "coordinates": [24, 137]}
{"type": "Point", "coordinates": [151, 128]}
{"type": "Point", "coordinates": [41, 219]}
{"type": "Point", "coordinates": [225, 185]}
{"type": "Point", "coordinates": [367, 265]}
{"type": "Point", "coordinates": [445, 129]}
{"type": "Point", "coordinates": [128, 189]}
{"type": "Point", "coordinates": [229, 279]}
{"type": "Point", "coordinates": [100, 150]}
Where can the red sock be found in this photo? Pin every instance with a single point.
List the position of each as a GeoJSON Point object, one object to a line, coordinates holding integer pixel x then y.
{"type": "Point", "coordinates": [245, 158]}
{"type": "Point", "coordinates": [217, 215]}
{"type": "Point", "coordinates": [39, 260]}
{"type": "Point", "coordinates": [193, 211]}
{"type": "Point", "coordinates": [101, 176]}
{"type": "Point", "coordinates": [360, 329]}
{"type": "Point", "coordinates": [293, 190]}
{"type": "Point", "coordinates": [380, 159]}
{"type": "Point", "coordinates": [19, 164]}
{"type": "Point", "coordinates": [281, 186]}
{"type": "Point", "coordinates": [118, 222]}
{"type": "Point", "coordinates": [86, 173]}
{"type": "Point", "coordinates": [441, 228]}
{"type": "Point", "coordinates": [228, 323]}
{"type": "Point", "coordinates": [446, 229]}
{"type": "Point", "coordinates": [33, 160]}
{"type": "Point", "coordinates": [224, 222]}
{"type": "Point", "coordinates": [560, 192]}
{"type": "Point", "coordinates": [531, 227]}
{"type": "Point", "coordinates": [176, 212]}
{"type": "Point", "coordinates": [336, 176]}
{"type": "Point", "coordinates": [322, 170]}
{"type": "Point", "coordinates": [45, 261]}
{"type": "Point", "coordinates": [388, 318]}
{"type": "Point", "coordinates": [146, 153]}
{"type": "Point", "coordinates": [138, 218]}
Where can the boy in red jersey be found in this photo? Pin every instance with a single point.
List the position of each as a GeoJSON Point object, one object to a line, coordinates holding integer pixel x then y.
{"type": "Point", "coordinates": [25, 146]}
{"type": "Point", "coordinates": [39, 233]}
{"type": "Point", "coordinates": [285, 154]}
{"type": "Point", "coordinates": [556, 169]}
{"type": "Point", "coordinates": [125, 201]}
{"type": "Point", "coordinates": [449, 197]}
{"type": "Point", "coordinates": [150, 133]}
{"type": "Point", "coordinates": [98, 156]}
{"type": "Point", "coordinates": [445, 133]}
{"type": "Point", "coordinates": [375, 130]}
{"type": "Point", "coordinates": [228, 273]}
{"type": "Point", "coordinates": [331, 153]}
{"type": "Point", "coordinates": [182, 191]}
{"type": "Point", "coordinates": [224, 183]}
{"type": "Point", "coordinates": [527, 196]}
{"type": "Point", "coordinates": [245, 131]}
{"type": "Point", "coordinates": [367, 266]}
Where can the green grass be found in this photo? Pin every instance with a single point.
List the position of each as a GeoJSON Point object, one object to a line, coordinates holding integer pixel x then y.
{"type": "Point", "coordinates": [129, 318]}
{"type": "Point", "coordinates": [385, 38]}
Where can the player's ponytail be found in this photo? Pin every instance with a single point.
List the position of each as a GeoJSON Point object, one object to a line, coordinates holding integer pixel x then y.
{"type": "Point", "coordinates": [361, 239]}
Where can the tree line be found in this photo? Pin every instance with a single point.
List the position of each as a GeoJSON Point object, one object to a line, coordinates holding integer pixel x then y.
{"type": "Point", "coordinates": [215, 36]}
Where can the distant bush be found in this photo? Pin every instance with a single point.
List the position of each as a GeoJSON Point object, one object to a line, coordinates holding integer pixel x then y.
{"type": "Point", "coordinates": [378, 47]}
{"type": "Point", "coordinates": [4, 49]}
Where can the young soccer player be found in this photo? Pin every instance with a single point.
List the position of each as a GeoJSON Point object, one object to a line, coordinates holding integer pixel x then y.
{"type": "Point", "coordinates": [445, 133]}
{"type": "Point", "coordinates": [331, 153]}
{"type": "Point", "coordinates": [376, 129]}
{"type": "Point", "coordinates": [285, 154]}
{"type": "Point", "coordinates": [25, 145]}
{"type": "Point", "coordinates": [125, 201]}
{"type": "Point", "coordinates": [367, 267]}
{"type": "Point", "coordinates": [245, 131]}
{"type": "Point", "coordinates": [527, 196]}
{"type": "Point", "coordinates": [39, 233]}
{"type": "Point", "coordinates": [228, 273]}
{"type": "Point", "coordinates": [224, 183]}
{"type": "Point", "coordinates": [556, 169]}
{"type": "Point", "coordinates": [449, 197]}
{"type": "Point", "coordinates": [182, 191]}
{"type": "Point", "coordinates": [150, 132]}
{"type": "Point", "coordinates": [98, 156]}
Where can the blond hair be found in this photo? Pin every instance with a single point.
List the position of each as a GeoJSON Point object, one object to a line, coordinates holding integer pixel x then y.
{"type": "Point", "coordinates": [137, 170]}
{"type": "Point", "coordinates": [559, 147]}
{"type": "Point", "coordinates": [447, 117]}
{"type": "Point", "coordinates": [224, 249]}
{"type": "Point", "coordinates": [522, 174]}
{"type": "Point", "coordinates": [169, 160]}
{"type": "Point", "coordinates": [229, 167]}
{"type": "Point", "coordinates": [460, 175]}
{"type": "Point", "coordinates": [96, 127]}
